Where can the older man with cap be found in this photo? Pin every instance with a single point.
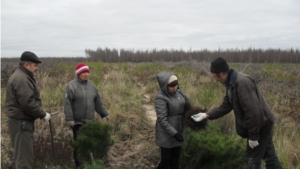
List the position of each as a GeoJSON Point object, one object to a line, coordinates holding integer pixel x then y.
{"type": "Point", "coordinates": [82, 99]}
{"type": "Point", "coordinates": [24, 106]}
{"type": "Point", "coordinates": [254, 118]}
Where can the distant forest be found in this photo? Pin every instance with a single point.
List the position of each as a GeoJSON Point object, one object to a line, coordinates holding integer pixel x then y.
{"type": "Point", "coordinates": [231, 55]}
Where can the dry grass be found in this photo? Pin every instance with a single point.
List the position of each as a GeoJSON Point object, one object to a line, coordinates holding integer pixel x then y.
{"type": "Point", "coordinates": [123, 87]}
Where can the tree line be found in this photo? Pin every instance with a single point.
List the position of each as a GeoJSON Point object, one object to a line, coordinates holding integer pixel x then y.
{"type": "Point", "coordinates": [232, 55]}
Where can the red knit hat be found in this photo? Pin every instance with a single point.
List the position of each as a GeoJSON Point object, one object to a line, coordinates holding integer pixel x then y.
{"type": "Point", "coordinates": [81, 68]}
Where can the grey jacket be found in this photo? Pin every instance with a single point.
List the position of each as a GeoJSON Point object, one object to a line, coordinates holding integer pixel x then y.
{"type": "Point", "coordinates": [81, 101]}
{"type": "Point", "coordinates": [23, 99]}
{"type": "Point", "coordinates": [252, 113]}
{"type": "Point", "coordinates": [170, 114]}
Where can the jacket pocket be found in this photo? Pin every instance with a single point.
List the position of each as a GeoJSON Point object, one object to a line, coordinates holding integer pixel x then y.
{"type": "Point", "coordinates": [27, 126]}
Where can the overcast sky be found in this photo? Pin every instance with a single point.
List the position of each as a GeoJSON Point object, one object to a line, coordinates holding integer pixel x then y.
{"type": "Point", "coordinates": [67, 27]}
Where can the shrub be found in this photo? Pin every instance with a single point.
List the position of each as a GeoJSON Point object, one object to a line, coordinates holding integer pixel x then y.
{"type": "Point", "coordinates": [189, 122]}
{"type": "Point", "coordinates": [93, 139]}
{"type": "Point", "coordinates": [210, 148]}
{"type": "Point", "coordinates": [96, 164]}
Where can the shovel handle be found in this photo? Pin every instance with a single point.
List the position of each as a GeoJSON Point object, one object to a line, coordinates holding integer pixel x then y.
{"type": "Point", "coordinates": [52, 142]}
{"type": "Point", "coordinates": [52, 114]}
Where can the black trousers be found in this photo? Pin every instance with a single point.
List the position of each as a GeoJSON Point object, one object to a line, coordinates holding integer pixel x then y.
{"type": "Point", "coordinates": [75, 133]}
{"type": "Point", "coordinates": [169, 158]}
{"type": "Point", "coordinates": [264, 151]}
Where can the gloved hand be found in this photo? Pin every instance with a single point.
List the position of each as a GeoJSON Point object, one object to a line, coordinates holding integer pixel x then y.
{"type": "Point", "coordinates": [199, 117]}
{"type": "Point", "coordinates": [178, 137]}
{"type": "Point", "coordinates": [71, 123]}
{"type": "Point", "coordinates": [107, 117]}
{"type": "Point", "coordinates": [253, 143]}
{"type": "Point", "coordinates": [47, 117]}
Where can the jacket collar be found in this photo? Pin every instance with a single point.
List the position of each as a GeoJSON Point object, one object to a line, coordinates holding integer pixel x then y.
{"type": "Point", "coordinates": [232, 74]}
{"type": "Point", "coordinates": [30, 74]}
{"type": "Point", "coordinates": [81, 81]}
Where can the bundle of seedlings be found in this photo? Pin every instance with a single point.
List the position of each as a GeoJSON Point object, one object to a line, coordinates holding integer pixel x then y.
{"type": "Point", "coordinates": [189, 122]}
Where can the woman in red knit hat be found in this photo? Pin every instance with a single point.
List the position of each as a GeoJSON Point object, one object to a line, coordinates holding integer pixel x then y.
{"type": "Point", "coordinates": [81, 101]}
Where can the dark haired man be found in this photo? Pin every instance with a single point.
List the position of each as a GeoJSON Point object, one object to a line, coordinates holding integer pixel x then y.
{"type": "Point", "coordinates": [24, 106]}
{"type": "Point", "coordinates": [253, 116]}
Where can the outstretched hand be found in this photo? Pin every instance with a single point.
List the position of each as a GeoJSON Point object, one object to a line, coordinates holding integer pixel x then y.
{"type": "Point", "coordinates": [199, 117]}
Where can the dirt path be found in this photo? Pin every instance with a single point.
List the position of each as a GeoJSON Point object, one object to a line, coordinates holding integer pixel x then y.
{"type": "Point", "coordinates": [150, 111]}
{"type": "Point", "coordinates": [132, 152]}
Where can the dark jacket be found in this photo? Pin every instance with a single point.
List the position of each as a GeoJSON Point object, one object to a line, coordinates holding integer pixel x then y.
{"type": "Point", "coordinates": [23, 97]}
{"type": "Point", "coordinates": [82, 100]}
{"type": "Point", "coordinates": [252, 113]}
{"type": "Point", "coordinates": [170, 113]}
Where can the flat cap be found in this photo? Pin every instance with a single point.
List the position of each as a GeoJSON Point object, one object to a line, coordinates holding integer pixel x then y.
{"type": "Point", "coordinates": [30, 57]}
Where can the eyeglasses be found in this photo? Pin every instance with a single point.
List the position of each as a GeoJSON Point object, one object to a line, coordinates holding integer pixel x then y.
{"type": "Point", "coordinates": [172, 85]}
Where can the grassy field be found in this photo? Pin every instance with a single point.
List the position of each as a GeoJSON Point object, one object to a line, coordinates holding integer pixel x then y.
{"type": "Point", "coordinates": [127, 87]}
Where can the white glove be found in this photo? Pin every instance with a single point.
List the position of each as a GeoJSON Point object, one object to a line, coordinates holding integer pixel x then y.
{"type": "Point", "coordinates": [253, 144]}
{"type": "Point", "coordinates": [71, 123]}
{"type": "Point", "coordinates": [199, 117]}
{"type": "Point", "coordinates": [47, 117]}
{"type": "Point", "coordinates": [107, 117]}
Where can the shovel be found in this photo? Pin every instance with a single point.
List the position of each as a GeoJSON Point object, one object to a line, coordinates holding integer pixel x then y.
{"type": "Point", "coordinates": [52, 142]}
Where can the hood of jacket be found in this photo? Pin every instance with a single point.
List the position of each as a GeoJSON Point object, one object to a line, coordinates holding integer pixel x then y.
{"type": "Point", "coordinates": [162, 79]}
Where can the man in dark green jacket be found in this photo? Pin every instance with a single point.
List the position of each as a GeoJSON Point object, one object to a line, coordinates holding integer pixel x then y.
{"type": "Point", "coordinates": [24, 106]}
{"type": "Point", "coordinates": [253, 117]}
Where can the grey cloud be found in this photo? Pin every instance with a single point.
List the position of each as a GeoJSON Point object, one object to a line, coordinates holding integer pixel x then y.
{"type": "Point", "coordinates": [67, 28]}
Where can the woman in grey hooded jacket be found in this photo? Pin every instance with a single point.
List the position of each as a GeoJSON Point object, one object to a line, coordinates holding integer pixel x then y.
{"type": "Point", "coordinates": [169, 104]}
